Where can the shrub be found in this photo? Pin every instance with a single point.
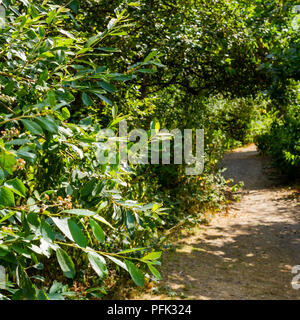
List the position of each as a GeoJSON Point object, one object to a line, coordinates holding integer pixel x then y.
{"type": "Point", "coordinates": [59, 206]}
{"type": "Point", "coordinates": [282, 143]}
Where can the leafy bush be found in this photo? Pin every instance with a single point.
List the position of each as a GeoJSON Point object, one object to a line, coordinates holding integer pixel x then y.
{"type": "Point", "coordinates": [67, 219]}
{"type": "Point", "coordinates": [56, 198]}
{"type": "Point", "coordinates": [282, 142]}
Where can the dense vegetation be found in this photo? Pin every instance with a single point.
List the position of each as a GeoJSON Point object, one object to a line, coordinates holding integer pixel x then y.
{"type": "Point", "coordinates": [69, 69]}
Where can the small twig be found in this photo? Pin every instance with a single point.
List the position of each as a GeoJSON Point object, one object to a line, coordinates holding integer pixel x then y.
{"type": "Point", "coordinates": [168, 232]}
{"type": "Point", "coordinates": [7, 107]}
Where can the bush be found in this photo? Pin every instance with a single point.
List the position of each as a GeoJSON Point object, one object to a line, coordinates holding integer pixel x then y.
{"type": "Point", "coordinates": [59, 205]}
{"type": "Point", "coordinates": [67, 72]}
{"type": "Point", "coordinates": [282, 142]}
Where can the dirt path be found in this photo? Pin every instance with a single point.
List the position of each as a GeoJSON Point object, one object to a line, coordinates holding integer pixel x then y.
{"type": "Point", "coordinates": [245, 254]}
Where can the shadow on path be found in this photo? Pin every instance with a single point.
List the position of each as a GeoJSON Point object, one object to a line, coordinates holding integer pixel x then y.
{"type": "Point", "coordinates": [247, 254]}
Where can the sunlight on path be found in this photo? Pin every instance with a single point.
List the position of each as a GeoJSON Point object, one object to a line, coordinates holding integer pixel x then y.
{"type": "Point", "coordinates": [247, 254]}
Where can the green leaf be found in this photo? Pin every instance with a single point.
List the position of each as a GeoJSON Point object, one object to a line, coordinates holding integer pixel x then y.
{"type": "Point", "coordinates": [146, 71]}
{"type": "Point", "coordinates": [152, 256]}
{"type": "Point", "coordinates": [109, 49]}
{"type": "Point", "coordinates": [132, 250]}
{"type": "Point", "coordinates": [134, 4]}
{"type": "Point", "coordinates": [80, 212]}
{"type": "Point", "coordinates": [154, 271]}
{"type": "Point", "coordinates": [84, 50]}
{"type": "Point", "coordinates": [77, 234]}
{"type": "Point", "coordinates": [33, 219]}
{"type": "Point", "coordinates": [130, 223]}
{"type": "Point", "coordinates": [7, 216]}
{"type": "Point", "coordinates": [51, 16]}
{"type": "Point", "coordinates": [43, 76]}
{"type": "Point", "coordinates": [65, 113]}
{"type": "Point", "coordinates": [66, 263]}
{"type": "Point", "coordinates": [111, 23]}
{"type": "Point", "coordinates": [88, 188]}
{"type": "Point", "coordinates": [4, 250]}
{"type": "Point", "coordinates": [102, 97]}
{"type": "Point", "coordinates": [93, 40]}
{"type": "Point", "coordinates": [107, 86]}
{"type": "Point", "coordinates": [152, 54]}
{"type": "Point", "coordinates": [135, 274]}
{"type": "Point", "coordinates": [74, 5]}
{"type": "Point", "coordinates": [67, 34]}
{"type": "Point", "coordinates": [48, 123]}
{"type": "Point", "coordinates": [24, 282]}
{"type": "Point", "coordinates": [17, 142]}
{"type": "Point", "coordinates": [28, 156]}
{"type": "Point", "coordinates": [46, 231]}
{"type": "Point", "coordinates": [98, 264]}
{"type": "Point", "coordinates": [122, 77]}
{"type": "Point", "coordinates": [2, 175]}
{"type": "Point", "coordinates": [117, 262]}
{"type": "Point", "coordinates": [51, 98]}
{"type": "Point", "coordinates": [46, 55]}
{"type": "Point", "coordinates": [7, 161]}
{"type": "Point", "coordinates": [62, 225]}
{"type": "Point", "coordinates": [32, 127]}
{"type": "Point", "coordinates": [97, 231]}
{"type": "Point", "coordinates": [86, 99]}
{"type": "Point", "coordinates": [7, 198]}
{"type": "Point", "coordinates": [17, 186]}
{"type": "Point", "coordinates": [101, 219]}
{"type": "Point", "coordinates": [114, 112]}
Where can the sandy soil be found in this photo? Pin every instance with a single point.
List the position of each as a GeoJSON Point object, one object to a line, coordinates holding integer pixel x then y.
{"type": "Point", "coordinates": [246, 253]}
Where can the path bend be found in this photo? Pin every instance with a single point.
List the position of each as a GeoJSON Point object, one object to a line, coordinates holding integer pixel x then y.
{"type": "Point", "coordinates": [247, 253]}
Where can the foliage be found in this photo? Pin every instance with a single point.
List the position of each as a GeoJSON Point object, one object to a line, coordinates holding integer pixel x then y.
{"type": "Point", "coordinates": [55, 196]}
{"type": "Point", "coordinates": [281, 141]}
{"type": "Point", "coordinates": [69, 69]}
{"type": "Point", "coordinates": [283, 62]}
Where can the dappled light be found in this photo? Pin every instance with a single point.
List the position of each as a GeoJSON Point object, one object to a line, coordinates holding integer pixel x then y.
{"type": "Point", "coordinates": [149, 149]}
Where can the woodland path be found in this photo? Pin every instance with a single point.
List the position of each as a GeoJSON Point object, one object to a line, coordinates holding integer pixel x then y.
{"type": "Point", "coordinates": [246, 253]}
